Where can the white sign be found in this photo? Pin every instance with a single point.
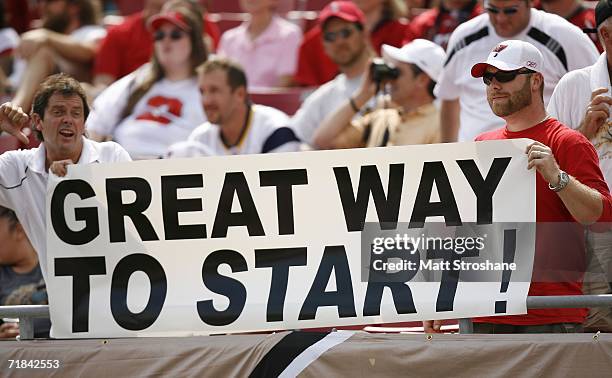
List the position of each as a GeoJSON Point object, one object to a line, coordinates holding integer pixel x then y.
{"type": "Point", "coordinates": [275, 241]}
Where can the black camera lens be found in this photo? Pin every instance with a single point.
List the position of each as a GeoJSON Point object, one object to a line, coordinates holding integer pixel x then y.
{"type": "Point", "coordinates": [381, 71]}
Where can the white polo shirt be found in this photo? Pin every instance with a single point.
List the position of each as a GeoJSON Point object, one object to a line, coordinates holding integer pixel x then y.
{"type": "Point", "coordinates": [266, 131]}
{"type": "Point", "coordinates": [569, 102]}
{"type": "Point", "coordinates": [23, 186]}
{"type": "Point", "coordinates": [166, 114]}
{"type": "Point", "coordinates": [564, 48]}
{"type": "Point", "coordinates": [325, 100]}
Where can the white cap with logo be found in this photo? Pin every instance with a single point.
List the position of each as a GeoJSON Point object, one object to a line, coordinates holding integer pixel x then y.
{"type": "Point", "coordinates": [428, 56]}
{"type": "Point", "coordinates": [511, 55]}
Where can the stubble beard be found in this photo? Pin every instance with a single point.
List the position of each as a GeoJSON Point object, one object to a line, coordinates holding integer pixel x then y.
{"type": "Point", "coordinates": [517, 101]}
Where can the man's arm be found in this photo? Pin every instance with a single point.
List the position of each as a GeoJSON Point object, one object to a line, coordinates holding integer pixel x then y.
{"type": "Point", "coordinates": [584, 203]}
{"type": "Point", "coordinates": [64, 45]}
{"type": "Point", "coordinates": [449, 120]}
{"type": "Point", "coordinates": [332, 133]}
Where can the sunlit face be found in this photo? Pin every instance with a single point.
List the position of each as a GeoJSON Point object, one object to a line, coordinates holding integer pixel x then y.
{"type": "Point", "coordinates": [348, 43]}
{"type": "Point", "coordinates": [508, 98]}
{"type": "Point", "coordinates": [508, 17]}
{"type": "Point", "coordinates": [63, 126]}
{"type": "Point", "coordinates": [218, 99]}
{"type": "Point", "coordinates": [172, 46]}
{"type": "Point", "coordinates": [403, 88]}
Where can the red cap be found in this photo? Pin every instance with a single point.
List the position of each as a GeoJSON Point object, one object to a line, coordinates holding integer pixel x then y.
{"type": "Point", "coordinates": [345, 10]}
{"type": "Point", "coordinates": [175, 18]}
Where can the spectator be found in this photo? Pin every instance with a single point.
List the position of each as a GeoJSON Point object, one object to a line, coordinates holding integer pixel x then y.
{"type": "Point", "coordinates": [438, 23]}
{"type": "Point", "coordinates": [514, 81]}
{"type": "Point", "coordinates": [265, 35]}
{"type": "Point", "coordinates": [66, 42]}
{"type": "Point", "coordinates": [235, 126]}
{"type": "Point", "coordinates": [415, 119]}
{"type": "Point", "coordinates": [129, 45]}
{"type": "Point", "coordinates": [576, 13]}
{"type": "Point", "coordinates": [464, 112]}
{"type": "Point", "coordinates": [21, 281]}
{"type": "Point", "coordinates": [346, 44]}
{"type": "Point", "coordinates": [126, 47]}
{"type": "Point", "coordinates": [9, 39]}
{"type": "Point", "coordinates": [382, 22]}
{"type": "Point", "coordinates": [58, 118]}
{"type": "Point", "coordinates": [581, 100]}
{"type": "Point", "coordinates": [158, 104]}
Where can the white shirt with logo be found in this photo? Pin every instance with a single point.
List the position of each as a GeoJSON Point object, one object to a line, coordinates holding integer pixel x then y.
{"type": "Point", "coordinates": [166, 114]}
{"type": "Point", "coordinates": [456, 81]}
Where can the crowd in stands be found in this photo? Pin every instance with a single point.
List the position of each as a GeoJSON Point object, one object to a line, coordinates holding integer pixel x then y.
{"type": "Point", "coordinates": [176, 78]}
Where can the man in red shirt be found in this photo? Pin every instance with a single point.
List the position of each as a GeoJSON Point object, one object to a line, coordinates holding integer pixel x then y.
{"type": "Point", "coordinates": [316, 68]}
{"type": "Point", "coordinates": [569, 186]}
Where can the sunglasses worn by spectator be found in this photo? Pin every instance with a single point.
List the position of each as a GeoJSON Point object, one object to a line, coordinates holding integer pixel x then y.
{"type": "Point", "coordinates": [503, 76]}
{"type": "Point", "coordinates": [507, 11]}
{"type": "Point", "coordinates": [332, 36]}
{"type": "Point", "coordinates": [174, 35]}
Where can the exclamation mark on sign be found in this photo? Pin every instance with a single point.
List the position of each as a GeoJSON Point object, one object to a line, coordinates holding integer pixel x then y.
{"type": "Point", "coordinates": [509, 252]}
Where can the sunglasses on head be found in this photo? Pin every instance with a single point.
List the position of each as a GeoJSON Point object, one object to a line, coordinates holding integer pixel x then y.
{"type": "Point", "coordinates": [503, 76]}
{"type": "Point", "coordinates": [174, 35]}
{"type": "Point", "coordinates": [331, 36]}
{"type": "Point", "coordinates": [507, 11]}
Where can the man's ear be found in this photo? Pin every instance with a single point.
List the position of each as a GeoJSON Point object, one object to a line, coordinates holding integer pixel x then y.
{"type": "Point", "coordinates": [241, 92]}
{"type": "Point", "coordinates": [36, 122]}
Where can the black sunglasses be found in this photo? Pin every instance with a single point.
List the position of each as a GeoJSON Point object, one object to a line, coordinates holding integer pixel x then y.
{"type": "Point", "coordinates": [332, 36]}
{"type": "Point", "coordinates": [174, 35]}
{"type": "Point", "coordinates": [507, 11]}
{"type": "Point", "coordinates": [503, 76]}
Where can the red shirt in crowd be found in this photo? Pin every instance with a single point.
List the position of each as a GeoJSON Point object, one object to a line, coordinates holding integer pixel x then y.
{"type": "Point", "coordinates": [316, 68]}
{"type": "Point", "coordinates": [559, 250]}
{"type": "Point", "coordinates": [584, 18]}
{"type": "Point", "coordinates": [129, 45]}
{"type": "Point", "coordinates": [438, 24]}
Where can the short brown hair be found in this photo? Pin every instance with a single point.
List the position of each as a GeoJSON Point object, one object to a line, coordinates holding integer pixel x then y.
{"type": "Point", "coordinates": [60, 83]}
{"type": "Point", "coordinates": [235, 73]}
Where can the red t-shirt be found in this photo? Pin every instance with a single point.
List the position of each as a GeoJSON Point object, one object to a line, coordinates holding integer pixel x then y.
{"type": "Point", "coordinates": [557, 250]}
{"type": "Point", "coordinates": [129, 45]}
{"type": "Point", "coordinates": [584, 18]}
{"type": "Point", "coordinates": [438, 24]}
{"type": "Point", "coordinates": [316, 68]}
{"type": "Point", "coordinates": [126, 47]}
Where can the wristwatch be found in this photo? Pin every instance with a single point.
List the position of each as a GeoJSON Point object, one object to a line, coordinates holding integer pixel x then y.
{"type": "Point", "coordinates": [563, 181]}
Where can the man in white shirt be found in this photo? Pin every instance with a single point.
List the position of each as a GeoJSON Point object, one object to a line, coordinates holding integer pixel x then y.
{"type": "Point", "coordinates": [464, 111]}
{"type": "Point", "coordinates": [58, 118]}
{"type": "Point", "coordinates": [582, 101]}
{"type": "Point", "coordinates": [347, 45]}
{"type": "Point", "coordinates": [235, 126]}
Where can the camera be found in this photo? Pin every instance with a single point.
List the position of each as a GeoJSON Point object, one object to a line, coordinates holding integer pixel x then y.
{"type": "Point", "coordinates": [380, 71]}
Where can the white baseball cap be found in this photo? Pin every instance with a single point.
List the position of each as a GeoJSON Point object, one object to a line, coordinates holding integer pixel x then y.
{"type": "Point", "coordinates": [511, 55]}
{"type": "Point", "coordinates": [428, 56]}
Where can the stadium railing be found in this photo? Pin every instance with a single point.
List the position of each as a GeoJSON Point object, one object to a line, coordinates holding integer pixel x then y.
{"type": "Point", "coordinates": [26, 314]}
